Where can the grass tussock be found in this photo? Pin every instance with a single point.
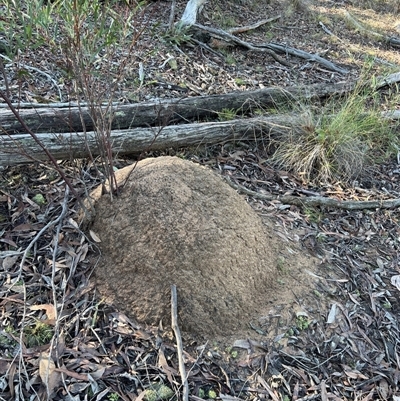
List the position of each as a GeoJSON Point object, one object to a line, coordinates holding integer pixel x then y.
{"type": "Point", "coordinates": [339, 141]}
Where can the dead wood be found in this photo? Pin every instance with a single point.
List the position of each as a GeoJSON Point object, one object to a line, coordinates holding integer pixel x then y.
{"type": "Point", "coordinates": [389, 80]}
{"type": "Point", "coordinates": [228, 38]}
{"type": "Point", "coordinates": [251, 27]}
{"type": "Point", "coordinates": [271, 48]}
{"type": "Point", "coordinates": [64, 118]}
{"type": "Point", "coordinates": [307, 56]}
{"type": "Point", "coordinates": [21, 148]}
{"type": "Point", "coordinates": [393, 41]}
{"type": "Point", "coordinates": [179, 344]}
{"type": "Point", "coordinates": [318, 200]}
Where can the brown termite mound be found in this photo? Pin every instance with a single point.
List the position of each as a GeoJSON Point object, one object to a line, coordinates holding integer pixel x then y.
{"type": "Point", "coordinates": [179, 223]}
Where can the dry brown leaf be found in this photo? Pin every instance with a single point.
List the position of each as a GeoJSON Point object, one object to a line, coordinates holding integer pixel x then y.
{"type": "Point", "coordinates": [73, 223]}
{"type": "Point", "coordinates": [395, 280]}
{"type": "Point", "coordinates": [355, 374]}
{"type": "Point", "coordinates": [4, 366]}
{"type": "Point", "coordinates": [47, 372]}
{"type": "Point", "coordinates": [324, 394]}
{"type": "Point", "coordinates": [245, 344]}
{"type": "Point", "coordinates": [16, 288]}
{"type": "Point", "coordinates": [23, 227]}
{"type": "Point", "coordinates": [51, 311]}
{"type": "Point", "coordinates": [9, 262]}
{"type": "Point", "coordinates": [82, 252]}
{"type": "Point", "coordinates": [11, 374]}
{"type": "Point", "coordinates": [94, 236]}
{"type": "Point", "coordinates": [383, 389]}
{"type": "Point", "coordinates": [162, 363]}
{"type": "Point", "coordinates": [270, 391]}
{"type": "Point", "coordinates": [98, 374]}
{"type": "Point", "coordinates": [46, 367]}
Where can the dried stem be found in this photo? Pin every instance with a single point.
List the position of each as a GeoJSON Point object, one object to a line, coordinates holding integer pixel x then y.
{"type": "Point", "coordinates": [179, 345]}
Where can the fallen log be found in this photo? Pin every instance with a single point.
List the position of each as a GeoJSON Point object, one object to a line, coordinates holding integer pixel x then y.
{"type": "Point", "coordinates": [271, 48]}
{"type": "Point", "coordinates": [66, 119]}
{"type": "Point", "coordinates": [22, 148]}
{"type": "Point", "coordinates": [393, 41]}
{"type": "Point", "coordinates": [312, 201]}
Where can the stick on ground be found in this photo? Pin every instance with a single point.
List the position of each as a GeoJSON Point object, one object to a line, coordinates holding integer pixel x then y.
{"type": "Point", "coordinates": [179, 346]}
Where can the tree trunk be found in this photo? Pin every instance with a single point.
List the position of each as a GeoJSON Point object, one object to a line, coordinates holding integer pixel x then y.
{"type": "Point", "coordinates": [22, 148]}
{"type": "Point", "coordinates": [66, 119]}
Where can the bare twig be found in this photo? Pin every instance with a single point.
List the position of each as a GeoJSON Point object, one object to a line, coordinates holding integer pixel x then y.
{"type": "Point", "coordinates": [251, 27]}
{"type": "Point", "coordinates": [3, 72]}
{"type": "Point", "coordinates": [58, 304]}
{"type": "Point", "coordinates": [179, 345]}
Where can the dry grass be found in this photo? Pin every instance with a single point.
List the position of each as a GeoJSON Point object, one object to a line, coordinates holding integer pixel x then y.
{"type": "Point", "coordinates": [339, 143]}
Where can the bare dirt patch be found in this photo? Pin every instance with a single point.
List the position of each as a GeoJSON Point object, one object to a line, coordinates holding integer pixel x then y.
{"type": "Point", "coordinates": [179, 223]}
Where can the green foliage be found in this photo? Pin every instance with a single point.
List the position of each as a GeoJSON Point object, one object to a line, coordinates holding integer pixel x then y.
{"type": "Point", "coordinates": [177, 36]}
{"type": "Point", "coordinates": [227, 115]}
{"type": "Point", "coordinates": [87, 32]}
{"type": "Point", "coordinates": [7, 342]}
{"type": "Point", "coordinates": [228, 22]}
{"type": "Point", "coordinates": [38, 334]}
{"type": "Point", "coordinates": [232, 352]}
{"type": "Point", "coordinates": [302, 322]}
{"type": "Point", "coordinates": [23, 23]}
{"type": "Point", "coordinates": [229, 57]}
{"type": "Point", "coordinates": [113, 397]}
{"type": "Point", "coordinates": [88, 36]}
{"type": "Point", "coordinates": [39, 199]}
{"type": "Point", "coordinates": [240, 81]}
{"type": "Point", "coordinates": [158, 392]}
{"type": "Point", "coordinates": [207, 394]}
{"type": "Point", "coordinates": [313, 215]}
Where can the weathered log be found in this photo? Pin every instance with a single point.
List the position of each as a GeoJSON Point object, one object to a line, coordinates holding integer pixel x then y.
{"type": "Point", "coordinates": [69, 119]}
{"type": "Point", "coordinates": [393, 41]}
{"type": "Point", "coordinates": [312, 201]}
{"type": "Point", "coordinates": [21, 148]}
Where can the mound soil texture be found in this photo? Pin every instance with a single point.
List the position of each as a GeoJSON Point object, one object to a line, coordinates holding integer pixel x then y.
{"type": "Point", "coordinates": [177, 222]}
